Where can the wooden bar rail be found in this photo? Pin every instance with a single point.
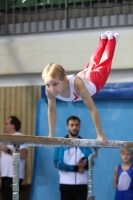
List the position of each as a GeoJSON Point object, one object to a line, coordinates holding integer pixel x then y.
{"type": "Point", "coordinates": [57, 141]}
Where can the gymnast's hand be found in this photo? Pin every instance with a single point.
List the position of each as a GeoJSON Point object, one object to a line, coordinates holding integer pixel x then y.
{"type": "Point", "coordinates": [103, 140]}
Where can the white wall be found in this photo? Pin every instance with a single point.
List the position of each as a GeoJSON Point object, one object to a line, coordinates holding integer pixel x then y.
{"type": "Point", "coordinates": [116, 76]}
{"type": "Point", "coordinates": [72, 49]}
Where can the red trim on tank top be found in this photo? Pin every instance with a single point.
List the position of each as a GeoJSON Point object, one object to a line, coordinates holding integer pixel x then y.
{"type": "Point", "coordinates": [76, 97]}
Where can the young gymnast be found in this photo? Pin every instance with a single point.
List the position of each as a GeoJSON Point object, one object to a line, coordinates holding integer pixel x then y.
{"type": "Point", "coordinates": [82, 85]}
{"type": "Point", "coordinates": [123, 176]}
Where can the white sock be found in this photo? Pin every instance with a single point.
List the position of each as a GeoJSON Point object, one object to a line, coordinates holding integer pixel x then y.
{"type": "Point", "coordinates": [109, 34]}
{"type": "Point", "coordinates": [103, 36]}
{"type": "Point", "coordinates": [116, 35]}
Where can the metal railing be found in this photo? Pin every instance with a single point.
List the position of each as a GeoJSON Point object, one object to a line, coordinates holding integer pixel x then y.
{"type": "Point", "coordinates": [31, 16]}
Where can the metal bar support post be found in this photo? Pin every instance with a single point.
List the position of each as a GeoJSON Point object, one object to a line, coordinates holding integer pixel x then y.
{"type": "Point", "coordinates": [16, 161]}
{"type": "Point", "coordinates": [90, 171]}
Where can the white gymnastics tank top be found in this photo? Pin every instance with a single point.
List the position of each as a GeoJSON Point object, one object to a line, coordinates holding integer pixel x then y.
{"type": "Point", "coordinates": [73, 96]}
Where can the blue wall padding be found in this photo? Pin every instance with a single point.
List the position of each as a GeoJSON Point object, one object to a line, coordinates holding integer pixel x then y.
{"type": "Point", "coordinates": [117, 122]}
{"type": "Point", "coordinates": [110, 91]}
{"type": "Point", "coordinates": [116, 90]}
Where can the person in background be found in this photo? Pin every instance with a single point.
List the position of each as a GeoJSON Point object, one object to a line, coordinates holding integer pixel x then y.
{"type": "Point", "coordinates": [123, 176]}
{"type": "Point", "coordinates": [72, 163]}
{"type": "Point", "coordinates": [12, 127]}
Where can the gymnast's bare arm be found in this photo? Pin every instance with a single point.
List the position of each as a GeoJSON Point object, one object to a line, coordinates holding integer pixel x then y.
{"type": "Point", "coordinates": [51, 112]}
{"type": "Point", "coordinates": [87, 99]}
{"type": "Point", "coordinates": [116, 177]}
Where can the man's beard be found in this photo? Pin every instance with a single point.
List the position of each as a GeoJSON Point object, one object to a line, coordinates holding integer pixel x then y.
{"type": "Point", "coordinates": [73, 135]}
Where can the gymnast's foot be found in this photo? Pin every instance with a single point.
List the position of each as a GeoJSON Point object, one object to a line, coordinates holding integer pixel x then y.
{"type": "Point", "coordinates": [116, 35]}
{"type": "Point", "coordinates": [109, 35]}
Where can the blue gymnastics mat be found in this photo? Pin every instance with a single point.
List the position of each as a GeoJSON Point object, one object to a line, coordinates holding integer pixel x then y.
{"type": "Point", "coordinates": [116, 117]}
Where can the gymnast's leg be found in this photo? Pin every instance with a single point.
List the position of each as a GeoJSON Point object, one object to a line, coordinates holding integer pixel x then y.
{"type": "Point", "coordinates": [100, 73]}
{"type": "Point", "coordinates": [96, 56]}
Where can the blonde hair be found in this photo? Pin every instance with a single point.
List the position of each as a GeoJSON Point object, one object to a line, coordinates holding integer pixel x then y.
{"type": "Point", "coordinates": [54, 70]}
{"type": "Point", "coordinates": [126, 149]}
